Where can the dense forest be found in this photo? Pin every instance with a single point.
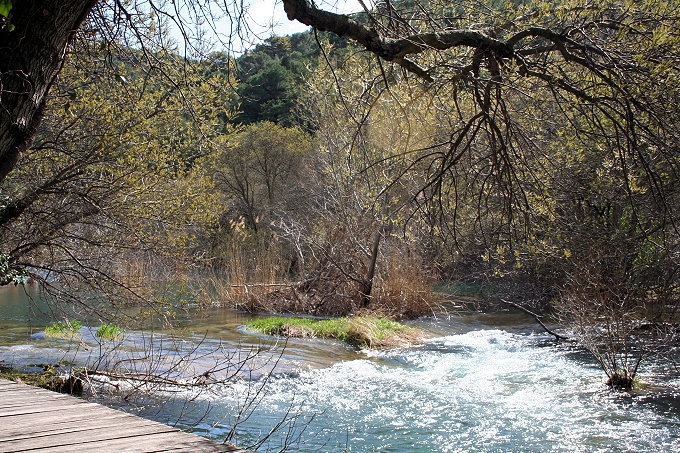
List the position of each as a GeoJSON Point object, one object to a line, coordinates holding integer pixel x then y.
{"type": "Point", "coordinates": [330, 173]}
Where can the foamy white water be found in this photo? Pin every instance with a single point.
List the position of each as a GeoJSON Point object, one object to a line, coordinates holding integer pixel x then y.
{"type": "Point", "coordinates": [477, 390]}
{"type": "Point", "coordinates": [485, 390]}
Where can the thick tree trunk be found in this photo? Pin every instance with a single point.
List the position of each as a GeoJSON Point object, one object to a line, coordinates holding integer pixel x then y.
{"type": "Point", "coordinates": [30, 58]}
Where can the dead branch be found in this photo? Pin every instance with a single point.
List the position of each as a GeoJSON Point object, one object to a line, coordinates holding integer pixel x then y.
{"type": "Point", "coordinates": [538, 320]}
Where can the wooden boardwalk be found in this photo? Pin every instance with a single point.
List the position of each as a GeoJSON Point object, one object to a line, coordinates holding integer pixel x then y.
{"type": "Point", "coordinates": [34, 419]}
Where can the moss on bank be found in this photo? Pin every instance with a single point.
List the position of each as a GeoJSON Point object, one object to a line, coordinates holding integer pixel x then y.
{"type": "Point", "coordinates": [48, 379]}
{"type": "Point", "coordinates": [361, 331]}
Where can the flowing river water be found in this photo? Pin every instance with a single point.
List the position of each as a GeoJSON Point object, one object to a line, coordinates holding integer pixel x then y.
{"type": "Point", "coordinates": [484, 382]}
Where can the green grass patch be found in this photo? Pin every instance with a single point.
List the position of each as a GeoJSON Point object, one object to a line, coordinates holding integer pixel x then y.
{"type": "Point", "coordinates": [63, 329]}
{"type": "Point", "coordinates": [109, 331]}
{"type": "Point", "coordinates": [362, 331]}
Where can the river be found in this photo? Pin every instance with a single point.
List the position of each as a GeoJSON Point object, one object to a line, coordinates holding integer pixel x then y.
{"type": "Point", "coordinates": [484, 382]}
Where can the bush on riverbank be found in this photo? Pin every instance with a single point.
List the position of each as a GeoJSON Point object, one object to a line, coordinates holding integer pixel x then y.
{"type": "Point", "coordinates": [63, 329]}
{"type": "Point", "coordinates": [109, 331]}
{"type": "Point", "coordinates": [361, 331]}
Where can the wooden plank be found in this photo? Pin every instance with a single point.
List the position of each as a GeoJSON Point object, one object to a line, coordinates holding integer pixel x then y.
{"type": "Point", "coordinates": [22, 429]}
{"type": "Point", "coordinates": [33, 419]}
{"type": "Point", "coordinates": [26, 393]}
{"type": "Point", "coordinates": [41, 417]}
{"type": "Point", "coordinates": [67, 416]}
{"type": "Point", "coordinates": [20, 392]}
{"type": "Point", "coordinates": [88, 429]}
{"type": "Point", "coordinates": [145, 444]}
{"type": "Point", "coordinates": [14, 400]}
{"type": "Point", "coordinates": [36, 409]}
{"type": "Point", "coordinates": [29, 398]}
{"type": "Point", "coordinates": [76, 438]}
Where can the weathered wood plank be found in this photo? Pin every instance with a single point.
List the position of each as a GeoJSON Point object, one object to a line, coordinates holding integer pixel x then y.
{"type": "Point", "coordinates": [17, 397]}
{"type": "Point", "coordinates": [27, 393]}
{"type": "Point", "coordinates": [13, 401]}
{"type": "Point", "coordinates": [41, 417]}
{"type": "Point", "coordinates": [29, 425]}
{"type": "Point", "coordinates": [33, 419]}
{"type": "Point", "coordinates": [50, 406]}
{"type": "Point", "coordinates": [8, 392]}
{"type": "Point", "coordinates": [145, 444]}
{"type": "Point", "coordinates": [27, 430]}
{"type": "Point", "coordinates": [76, 439]}
{"type": "Point", "coordinates": [22, 387]}
{"type": "Point", "coordinates": [119, 428]}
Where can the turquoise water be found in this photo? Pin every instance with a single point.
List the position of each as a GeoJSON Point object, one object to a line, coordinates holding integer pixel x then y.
{"type": "Point", "coordinates": [483, 383]}
{"type": "Point", "coordinates": [484, 390]}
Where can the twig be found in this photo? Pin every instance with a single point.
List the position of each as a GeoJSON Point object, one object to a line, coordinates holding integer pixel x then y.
{"type": "Point", "coordinates": [263, 285]}
{"type": "Point", "coordinates": [538, 320]}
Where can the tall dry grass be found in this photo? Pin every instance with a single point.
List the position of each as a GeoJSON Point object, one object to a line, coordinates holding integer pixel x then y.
{"type": "Point", "coordinates": [247, 276]}
{"type": "Point", "coordinates": [404, 287]}
{"type": "Point", "coordinates": [145, 278]}
{"type": "Point", "coordinates": [255, 280]}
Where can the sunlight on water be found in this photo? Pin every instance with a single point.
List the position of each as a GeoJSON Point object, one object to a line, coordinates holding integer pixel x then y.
{"type": "Point", "coordinates": [478, 390]}
{"type": "Point", "coordinates": [486, 390]}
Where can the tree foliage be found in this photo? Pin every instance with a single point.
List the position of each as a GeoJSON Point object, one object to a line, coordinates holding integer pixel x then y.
{"type": "Point", "coordinates": [111, 174]}
{"type": "Point", "coordinates": [546, 148]}
{"type": "Point", "coordinates": [272, 76]}
{"type": "Point", "coordinates": [261, 172]}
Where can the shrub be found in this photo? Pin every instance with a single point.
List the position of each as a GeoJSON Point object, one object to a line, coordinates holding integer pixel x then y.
{"type": "Point", "coordinates": [63, 329]}
{"type": "Point", "coordinates": [109, 331]}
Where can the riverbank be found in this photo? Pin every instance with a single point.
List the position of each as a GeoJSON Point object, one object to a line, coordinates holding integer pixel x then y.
{"type": "Point", "coordinates": [45, 376]}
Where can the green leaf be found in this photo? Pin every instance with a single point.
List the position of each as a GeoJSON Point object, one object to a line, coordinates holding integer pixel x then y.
{"type": "Point", "coordinates": [5, 8]}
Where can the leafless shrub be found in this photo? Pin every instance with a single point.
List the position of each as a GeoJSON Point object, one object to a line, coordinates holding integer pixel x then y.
{"type": "Point", "coordinates": [157, 368]}
{"type": "Point", "coordinates": [616, 317]}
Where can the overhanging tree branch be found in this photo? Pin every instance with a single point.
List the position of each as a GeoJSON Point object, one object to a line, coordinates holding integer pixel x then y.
{"type": "Point", "coordinates": [394, 50]}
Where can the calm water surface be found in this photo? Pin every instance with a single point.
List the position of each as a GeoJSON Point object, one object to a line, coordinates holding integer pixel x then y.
{"type": "Point", "coordinates": [482, 383]}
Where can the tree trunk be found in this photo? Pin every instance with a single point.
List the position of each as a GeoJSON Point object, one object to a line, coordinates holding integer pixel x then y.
{"type": "Point", "coordinates": [367, 286]}
{"type": "Point", "coordinates": [30, 59]}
